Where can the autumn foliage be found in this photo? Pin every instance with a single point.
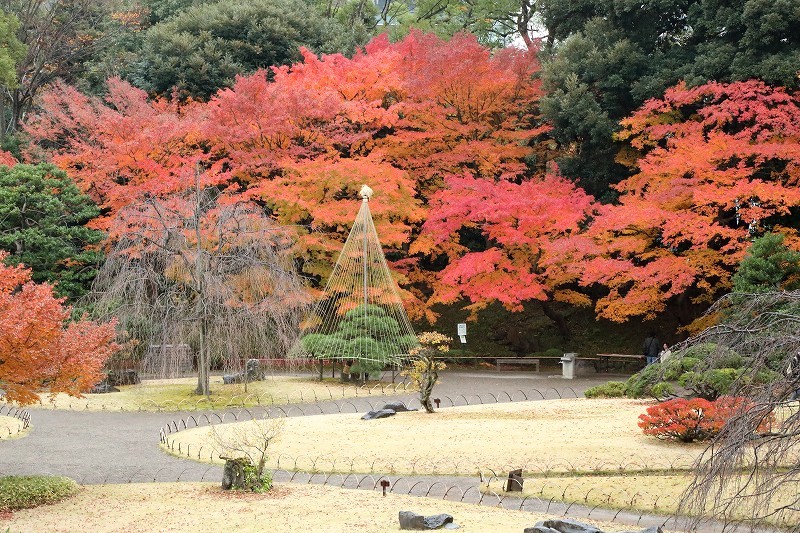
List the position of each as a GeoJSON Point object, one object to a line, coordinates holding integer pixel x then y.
{"type": "Point", "coordinates": [40, 349]}
{"type": "Point", "coordinates": [449, 136]}
{"type": "Point", "coordinates": [404, 117]}
{"type": "Point", "coordinates": [716, 165]}
{"type": "Point", "coordinates": [691, 420]}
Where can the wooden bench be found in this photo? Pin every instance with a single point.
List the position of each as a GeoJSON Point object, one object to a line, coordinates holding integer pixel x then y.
{"type": "Point", "coordinates": [605, 359]}
{"type": "Point", "coordinates": [534, 361]}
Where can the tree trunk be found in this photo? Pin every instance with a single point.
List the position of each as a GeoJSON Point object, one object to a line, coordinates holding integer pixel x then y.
{"type": "Point", "coordinates": [428, 381]}
{"type": "Point", "coordinates": [557, 318]}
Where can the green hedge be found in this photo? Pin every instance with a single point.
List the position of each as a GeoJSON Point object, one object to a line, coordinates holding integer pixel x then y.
{"type": "Point", "coordinates": [612, 389]}
{"type": "Point", "coordinates": [23, 492]}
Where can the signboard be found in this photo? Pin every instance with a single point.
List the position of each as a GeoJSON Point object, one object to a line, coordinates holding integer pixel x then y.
{"type": "Point", "coordinates": [462, 329]}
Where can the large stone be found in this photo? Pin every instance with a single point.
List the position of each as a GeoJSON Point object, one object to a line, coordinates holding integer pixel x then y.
{"type": "Point", "coordinates": [233, 473]}
{"type": "Point", "coordinates": [437, 521]}
{"type": "Point", "coordinates": [410, 520]}
{"type": "Point", "coordinates": [397, 407]}
{"type": "Point", "coordinates": [383, 413]}
{"type": "Point", "coordinates": [414, 521]}
{"type": "Point", "coordinates": [562, 526]}
{"type": "Point", "coordinates": [254, 370]}
{"type": "Point", "coordinates": [230, 379]}
{"type": "Point", "coordinates": [654, 529]}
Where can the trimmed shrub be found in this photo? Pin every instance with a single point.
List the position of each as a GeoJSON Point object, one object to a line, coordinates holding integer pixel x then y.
{"type": "Point", "coordinates": [692, 420]}
{"type": "Point", "coordinates": [24, 492]}
{"type": "Point", "coordinates": [612, 389]}
{"type": "Point", "coordinates": [553, 352]}
{"type": "Point", "coordinates": [710, 384]}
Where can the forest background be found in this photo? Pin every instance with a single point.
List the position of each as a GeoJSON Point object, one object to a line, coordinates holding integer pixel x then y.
{"type": "Point", "coordinates": [569, 174]}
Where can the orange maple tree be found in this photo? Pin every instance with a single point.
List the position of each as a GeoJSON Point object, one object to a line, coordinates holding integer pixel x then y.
{"type": "Point", "coordinates": [719, 164]}
{"type": "Point", "coordinates": [40, 349]}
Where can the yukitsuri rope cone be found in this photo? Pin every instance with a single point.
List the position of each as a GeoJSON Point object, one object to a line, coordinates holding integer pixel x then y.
{"type": "Point", "coordinates": [360, 321]}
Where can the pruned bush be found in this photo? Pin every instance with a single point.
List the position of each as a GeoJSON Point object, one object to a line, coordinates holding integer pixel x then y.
{"type": "Point", "coordinates": [707, 370]}
{"type": "Point", "coordinates": [612, 389]}
{"type": "Point", "coordinates": [24, 492]}
{"type": "Point", "coordinates": [692, 420]}
{"type": "Point", "coordinates": [710, 384]}
{"type": "Point", "coordinates": [553, 352]}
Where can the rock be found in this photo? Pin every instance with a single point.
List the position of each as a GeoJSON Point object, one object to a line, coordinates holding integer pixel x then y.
{"type": "Point", "coordinates": [397, 407]}
{"type": "Point", "coordinates": [103, 387]}
{"type": "Point", "coordinates": [254, 370]}
{"type": "Point", "coordinates": [383, 413]}
{"type": "Point", "coordinates": [409, 520]}
{"type": "Point", "coordinates": [230, 379]}
{"type": "Point", "coordinates": [124, 377]}
{"type": "Point", "coordinates": [654, 529]}
{"type": "Point", "coordinates": [233, 474]}
{"type": "Point", "coordinates": [562, 526]}
{"type": "Point", "coordinates": [437, 521]}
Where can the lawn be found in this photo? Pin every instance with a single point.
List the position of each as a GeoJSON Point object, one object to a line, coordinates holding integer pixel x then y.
{"type": "Point", "coordinates": [576, 435]}
{"type": "Point", "coordinates": [577, 450]}
{"type": "Point", "coordinates": [11, 428]}
{"type": "Point", "coordinates": [205, 507]}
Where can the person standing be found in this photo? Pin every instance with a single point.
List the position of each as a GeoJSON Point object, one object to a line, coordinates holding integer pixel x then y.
{"type": "Point", "coordinates": [665, 353]}
{"type": "Point", "coordinates": [651, 348]}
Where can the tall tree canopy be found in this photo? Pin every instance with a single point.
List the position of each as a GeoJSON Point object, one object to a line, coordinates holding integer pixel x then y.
{"type": "Point", "coordinates": [43, 220]}
{"type": "Point", "coordinates": [39, 348]}
{"type": "Point", "coordinates": [608, 58]}
{"type": "Point", "coordinates": [720, 164]}
{"type": "Point", "coordinates": [59, 35]}
{"type": "Point", "coordinates": [204, 47]}
{"type": "Point", "coordinates": [402, 117]}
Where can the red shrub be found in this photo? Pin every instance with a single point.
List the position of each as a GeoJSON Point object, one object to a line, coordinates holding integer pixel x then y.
{"type": "Point", "coordinates": [695, 419]}
{"type": "Point", "coordinates": [679, 419]}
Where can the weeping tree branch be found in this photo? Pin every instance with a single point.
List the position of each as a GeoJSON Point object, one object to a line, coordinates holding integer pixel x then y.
{"type": "Point", "coordinates": [751, 471]}
{"type": "Point", "coordinates": [193, 270]}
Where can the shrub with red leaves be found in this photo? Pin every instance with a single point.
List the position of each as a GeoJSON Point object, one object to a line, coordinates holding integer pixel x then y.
{"type": "Point", "coordinates": [692, 420]}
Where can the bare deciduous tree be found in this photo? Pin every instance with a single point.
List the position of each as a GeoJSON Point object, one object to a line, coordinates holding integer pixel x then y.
{"type": "Point", "coordinates": [246, 445]}
{"type": "Point", "coordinates": [194, 270]}
{"type": "Point", "coordinates": [751, 471]}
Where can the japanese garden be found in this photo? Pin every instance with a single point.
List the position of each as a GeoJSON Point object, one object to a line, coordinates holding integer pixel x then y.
{"type": "Point", "coordinates": [295, 265]}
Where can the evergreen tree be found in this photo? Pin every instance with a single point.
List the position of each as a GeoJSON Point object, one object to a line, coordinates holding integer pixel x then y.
{"type": "Point", "coordinates": [768, 266]}
{"type": "Point", "coordinates": [43, 220]}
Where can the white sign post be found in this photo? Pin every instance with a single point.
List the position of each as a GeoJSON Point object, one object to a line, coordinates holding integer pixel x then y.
{"type": "Point", "coordinates": [462, 332]}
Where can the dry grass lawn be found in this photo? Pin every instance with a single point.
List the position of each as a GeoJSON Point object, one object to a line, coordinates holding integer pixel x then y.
{"type": "Point", "coordinates": [205, 507]}
{"type": "Point", "coordinates": [554, 435]}
{"type": "Point", "coordinates": [178, 395]}
{"type": "Point", "coordinates": [11, 428]}
{"type": "Point", "coordinates": [653, 493]}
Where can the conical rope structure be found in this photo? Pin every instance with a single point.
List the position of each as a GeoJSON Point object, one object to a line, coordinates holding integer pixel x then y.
{"type": "Point", "coordinates": [360, 320]}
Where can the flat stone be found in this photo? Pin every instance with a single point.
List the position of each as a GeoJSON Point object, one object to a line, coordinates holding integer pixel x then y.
{"type": "Point", "coordinates": [414, 521]}
{"type": "Point", "coordinates": [437, 521]}
{"type": "Point", "coordinates": [383, 413]}
{"type": "Point", "coordinates": [397, 407]}
{"type": "Point", "coordinates": [562, 526]}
